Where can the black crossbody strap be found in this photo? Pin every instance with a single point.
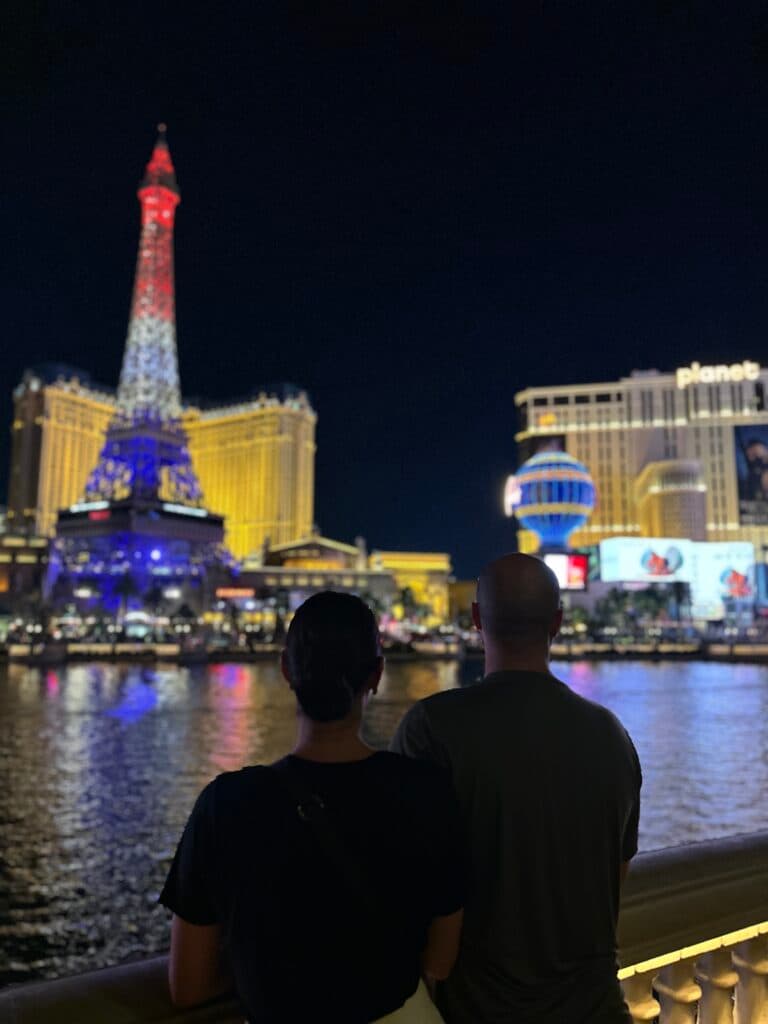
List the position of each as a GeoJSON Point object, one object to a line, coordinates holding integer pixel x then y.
{"type": "Point", "coordinates": [312, 811]}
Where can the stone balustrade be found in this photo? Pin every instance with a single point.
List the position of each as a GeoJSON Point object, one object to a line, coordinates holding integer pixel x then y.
{"type": "Point", "coordinates": [693, 935]}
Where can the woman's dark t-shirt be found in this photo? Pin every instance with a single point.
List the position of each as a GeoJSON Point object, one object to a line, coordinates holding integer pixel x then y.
{"type": "Point", "coordinates": [299, 942]}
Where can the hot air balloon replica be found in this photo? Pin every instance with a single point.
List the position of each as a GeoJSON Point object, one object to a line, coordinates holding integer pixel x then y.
{"type": "Point", "coordinates": [552, 494]}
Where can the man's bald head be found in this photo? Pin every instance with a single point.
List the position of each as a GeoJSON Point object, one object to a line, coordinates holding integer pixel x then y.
{"type": "Point", "coordinates": [518, 597]}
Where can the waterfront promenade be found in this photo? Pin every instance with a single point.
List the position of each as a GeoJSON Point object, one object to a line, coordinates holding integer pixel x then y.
{"type": "Point", "coordinates": [175, 653]}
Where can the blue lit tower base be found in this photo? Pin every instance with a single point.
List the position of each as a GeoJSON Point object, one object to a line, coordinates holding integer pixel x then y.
{"type": "Point", "coordinates": [114, 553]}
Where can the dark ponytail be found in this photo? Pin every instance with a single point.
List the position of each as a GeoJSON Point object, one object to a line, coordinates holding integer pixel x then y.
{"type": "Point", "coordinates": [332, 648]}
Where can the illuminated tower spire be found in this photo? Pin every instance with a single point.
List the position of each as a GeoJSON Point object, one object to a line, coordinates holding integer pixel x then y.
{"type": "Point", "coordinates": [145, 454]}
{"type": "Point", "coordinates": [149, 380]}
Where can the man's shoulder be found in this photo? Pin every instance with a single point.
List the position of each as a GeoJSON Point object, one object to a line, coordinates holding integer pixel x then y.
{"type": "Point", "coordinates": [597, 714]}
{"type": "Point", "coordinates": [446, 706]}
{"type": "Point", "coordinates": [600, 728]}
{"type": "Point", "coordinates": [411, 770]}
{"type": "Point", "coordinates": [450, 699]}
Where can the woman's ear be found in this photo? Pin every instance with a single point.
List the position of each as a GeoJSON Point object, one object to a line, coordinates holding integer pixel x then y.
{"type": "Point", "coordinates": [285, 669]}
{"type": "Point", "coordinates": [375, 677]}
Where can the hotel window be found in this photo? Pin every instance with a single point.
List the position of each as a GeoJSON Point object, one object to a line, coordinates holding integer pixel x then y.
{"type": "Point", "coordinates": [668, 398]}
{"type": "Point", "coordinates": [646, 406]}
{"type": "Point", "coordinates": [602, 397]}
{"type": "Point", "coordinates": [581, 399]}
{"type": "Point", "coordinates": [561, 400]}
{"type": "Point", "coordinates": [540, 401]}
{"type": "Point", "coordinates": [759, 396]}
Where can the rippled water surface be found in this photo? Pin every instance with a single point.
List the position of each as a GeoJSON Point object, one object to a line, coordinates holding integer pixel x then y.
{"type": "Point", "coordinates": [100, 765]}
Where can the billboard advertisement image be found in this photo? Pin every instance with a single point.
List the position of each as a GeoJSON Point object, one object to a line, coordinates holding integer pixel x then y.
{"type": "Point", "coordinates": [752, 473]}
{"type": "Point", "coordinates": [570, 569]}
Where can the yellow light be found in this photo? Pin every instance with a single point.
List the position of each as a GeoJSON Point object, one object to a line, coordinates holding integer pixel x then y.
{"type": "Point", "coordinates": [688, 952]}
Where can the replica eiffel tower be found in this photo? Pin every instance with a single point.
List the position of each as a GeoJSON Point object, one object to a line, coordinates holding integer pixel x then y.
{"type": "Point", "coordinates": [146, 453]}
{"type": "Point", "coordinates": [142, 516]}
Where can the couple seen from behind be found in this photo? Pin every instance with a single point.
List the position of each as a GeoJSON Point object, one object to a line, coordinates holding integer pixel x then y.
{"type": "Point", "coordinates": [470, 874]}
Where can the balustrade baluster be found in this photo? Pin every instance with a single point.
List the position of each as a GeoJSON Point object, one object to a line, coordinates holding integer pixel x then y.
{"type": "Point", "coordinates": [678, 993]}
{"type": "Point", "coordinates": [715, 973]}
{"type": "Point", "coordinates": [639, 996]}
{"type": "Point", "coordinates": [751, 961]}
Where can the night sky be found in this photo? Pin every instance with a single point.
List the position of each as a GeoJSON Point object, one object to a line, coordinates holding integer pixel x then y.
{"type": "Point", "coordinates": [412, 210]}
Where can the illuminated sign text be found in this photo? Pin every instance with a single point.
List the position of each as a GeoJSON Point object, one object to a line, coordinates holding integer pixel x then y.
{"type": "Point", "coordinates": [735, 373]}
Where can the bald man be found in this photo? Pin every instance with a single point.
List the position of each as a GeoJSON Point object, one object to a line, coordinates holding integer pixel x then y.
{"type": "Point", "coordinates": [549, 788]}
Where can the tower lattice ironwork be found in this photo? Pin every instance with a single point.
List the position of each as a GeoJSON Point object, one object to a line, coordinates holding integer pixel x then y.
{"type": "Point", "coordinates": [145, 454]}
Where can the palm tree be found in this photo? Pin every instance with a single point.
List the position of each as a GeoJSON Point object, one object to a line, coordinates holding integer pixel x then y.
{"type": "Point", "coordinates": [125, 587]}
{"type": "Point", "coordinates": [153, 598]}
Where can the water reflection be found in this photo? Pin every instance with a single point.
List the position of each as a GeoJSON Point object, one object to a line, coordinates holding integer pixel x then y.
{"type": "Point", "coordinates": [138, 698]}
{"type": "Point", "coordinates": [100, 765]}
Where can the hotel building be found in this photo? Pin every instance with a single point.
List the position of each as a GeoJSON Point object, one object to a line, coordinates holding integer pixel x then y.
{"type": "Point", "coordinates": [57, 433]}
{"type": "Point", "coordinates": [317, 563]}
{"type": "Point", "coordinates": [254, 460]}
{"type": "Point", "coordinates": [681, 454]}
{"type": "Point", "coordinates": [256, 464]}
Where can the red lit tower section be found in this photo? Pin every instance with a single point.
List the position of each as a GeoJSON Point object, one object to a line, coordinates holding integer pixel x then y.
{"type": "Point", "coordinates": [149, 379]}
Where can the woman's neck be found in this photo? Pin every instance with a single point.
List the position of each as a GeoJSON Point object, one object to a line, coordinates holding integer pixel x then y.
{"type": "Point", "coordinates": [330, 741]}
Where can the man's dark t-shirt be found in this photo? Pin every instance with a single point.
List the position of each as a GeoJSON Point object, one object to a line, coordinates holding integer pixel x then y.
{"type": "Point", "coordinates": [549, 789]}
{"type": "Point", "coordinates": [300, 945]}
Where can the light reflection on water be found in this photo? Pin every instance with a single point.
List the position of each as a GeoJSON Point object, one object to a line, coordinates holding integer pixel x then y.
{"type": "Point", "coordinates": [100, 765]}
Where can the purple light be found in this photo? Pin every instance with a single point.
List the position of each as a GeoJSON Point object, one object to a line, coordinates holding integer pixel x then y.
{"type": "Point", "coordinates": [155, 555]}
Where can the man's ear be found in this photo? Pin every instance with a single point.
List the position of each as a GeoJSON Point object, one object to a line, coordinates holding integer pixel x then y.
{"type": "Point", "coordinates": [476, 616]}
{"type": "Point", "coordinates": [284, 668]}
{"type": "Point", "coordinates": [557, 622]}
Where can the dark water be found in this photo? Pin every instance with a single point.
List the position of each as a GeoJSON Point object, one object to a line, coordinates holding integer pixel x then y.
{"type": "Point", "coordinates": [100, 765]}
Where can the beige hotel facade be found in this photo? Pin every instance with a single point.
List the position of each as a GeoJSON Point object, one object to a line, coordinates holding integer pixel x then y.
{"type": "Point", "coordinates": [672, 454]}
{"type": "Point", "coordinates": [255, 460]}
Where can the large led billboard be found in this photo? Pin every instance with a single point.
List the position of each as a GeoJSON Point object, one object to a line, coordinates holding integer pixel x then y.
{"type": "Point", "coordinates": [646, 560]}
{"type": "Point", "coordinates": [723, 578]}
{"type": "Point", "coordinates": [752, 473]}
{"type": "Point", "coordinates": [721, 575]}
{"type": "Point", "coordinates": [570, 569]}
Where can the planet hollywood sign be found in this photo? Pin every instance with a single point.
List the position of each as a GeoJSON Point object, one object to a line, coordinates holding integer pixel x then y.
{"type": "Point", "coordinates": [720, 374]}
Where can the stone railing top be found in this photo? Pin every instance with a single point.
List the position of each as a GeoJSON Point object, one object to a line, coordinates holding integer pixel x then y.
{"type": "Point", "coordinates": [673, 899]}
{"type": "Point", "coordinates": [684, 895]}
{"type": "Point", "coordinates": [132, 993]}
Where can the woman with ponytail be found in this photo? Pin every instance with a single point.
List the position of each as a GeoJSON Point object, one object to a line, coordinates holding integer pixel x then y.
{"type": "Point", "coordinates": [329, 885]}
